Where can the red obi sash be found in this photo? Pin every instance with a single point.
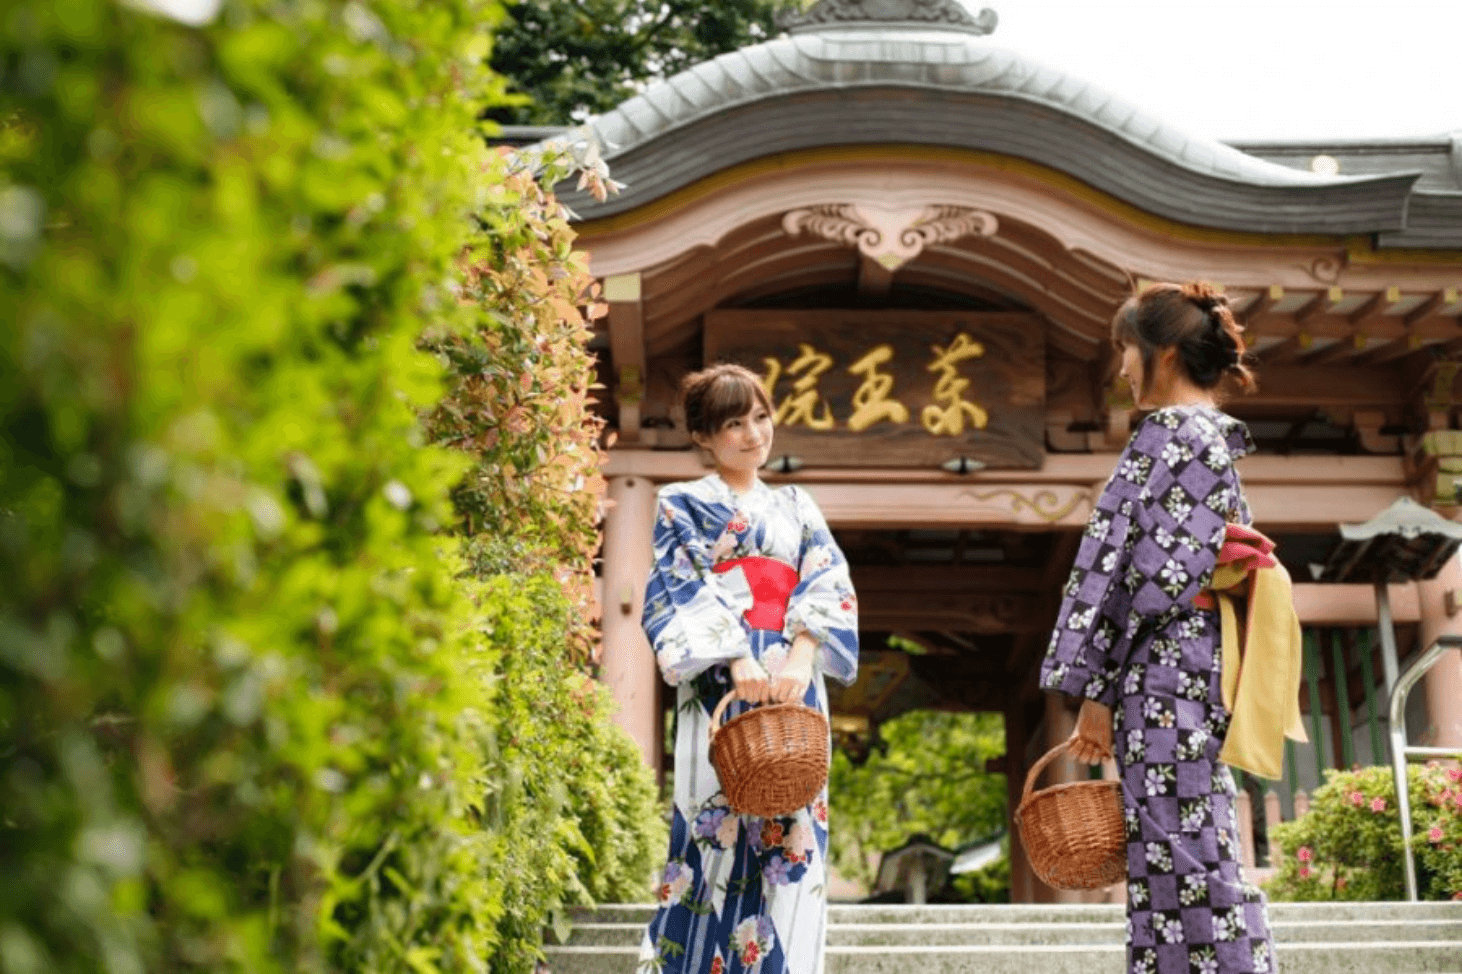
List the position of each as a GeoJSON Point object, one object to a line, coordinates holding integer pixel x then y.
{"type": "Point", "coordinates": [771, 584]}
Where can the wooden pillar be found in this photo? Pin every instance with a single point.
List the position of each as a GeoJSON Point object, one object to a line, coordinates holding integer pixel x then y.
{"type": "Point", "coordinates": [1060, 724]}
{"type": "Point", "coordinates": [1443, 685]}
{"type": "Point", "coordinates": [627, 664]}
{"type": "Point", "coordinates": [1022, 880]}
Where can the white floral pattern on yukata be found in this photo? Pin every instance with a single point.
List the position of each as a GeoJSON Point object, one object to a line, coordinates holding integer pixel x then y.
{"type": "Point", "coordinates": [740, 894]}
{"type": "Point", "coordinates": [1128, 635]}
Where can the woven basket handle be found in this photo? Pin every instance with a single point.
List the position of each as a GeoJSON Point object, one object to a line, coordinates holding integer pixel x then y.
{"type": "Point", "coordinates": [1035, 772]}
{"type": "Point", "coordinates": [1039, 766]}
{"type": "Point", "coordinates": [720, 711]}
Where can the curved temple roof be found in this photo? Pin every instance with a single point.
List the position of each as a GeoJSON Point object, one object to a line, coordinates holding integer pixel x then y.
{"type": "Point", "coordinates": [850, 83]}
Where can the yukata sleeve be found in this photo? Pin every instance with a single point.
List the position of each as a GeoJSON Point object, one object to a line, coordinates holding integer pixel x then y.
{"type": "Point", "coordinates": [1178, 524]}
{"type": "Point", "coordinates": [690, 621]}
{"type": "Point", "coordinates": [823, 604]}
{"type": "Point", "coordinates": [1091, 638]}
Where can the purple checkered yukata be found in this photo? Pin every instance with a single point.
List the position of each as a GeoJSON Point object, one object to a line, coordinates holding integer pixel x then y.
{"type": "Point", "coordinates": [1129, 636]}
{"type": "Point", "coordinates": [741, 575]}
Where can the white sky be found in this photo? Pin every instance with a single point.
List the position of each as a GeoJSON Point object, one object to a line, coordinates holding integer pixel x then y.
{"type": "Point", "coordinates": [1281, 69]}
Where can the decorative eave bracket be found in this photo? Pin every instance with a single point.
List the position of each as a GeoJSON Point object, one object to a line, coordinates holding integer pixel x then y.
{"type": "Point", "coordinates": [888, 238]}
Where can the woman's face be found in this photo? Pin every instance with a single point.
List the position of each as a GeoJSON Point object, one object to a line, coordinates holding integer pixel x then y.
{"type": "Point", "coordinates": [743, 443]}
{"type": "Point", "coordinates": [1131, 370]}
{"type": "Point", "coordinates": [1160, 385]}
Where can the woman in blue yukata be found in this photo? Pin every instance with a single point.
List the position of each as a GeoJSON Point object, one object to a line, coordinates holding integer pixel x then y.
{"type": "Point", "coordinates": [1130, 640]}
{"type": "Point", "coordinates": [749, 591]}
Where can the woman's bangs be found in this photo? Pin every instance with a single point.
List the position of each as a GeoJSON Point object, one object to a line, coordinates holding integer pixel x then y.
{"type": "Point", "coordinates": [731, 397]}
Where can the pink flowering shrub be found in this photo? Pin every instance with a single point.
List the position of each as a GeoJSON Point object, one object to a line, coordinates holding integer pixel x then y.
{"type": "Point", "coordinates": [1348, 846]}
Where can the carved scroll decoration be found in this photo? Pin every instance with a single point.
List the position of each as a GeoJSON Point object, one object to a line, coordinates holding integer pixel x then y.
{"type": "Point", "coordinates": [1046, 504]}
{"type": "Point", "coordinates": [892, 237]}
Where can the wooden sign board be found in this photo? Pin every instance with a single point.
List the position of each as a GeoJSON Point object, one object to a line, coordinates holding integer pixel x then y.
{"type": "Point", "coordinates": [895, 388]}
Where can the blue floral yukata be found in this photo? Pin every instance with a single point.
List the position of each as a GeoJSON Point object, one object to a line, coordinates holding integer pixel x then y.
{"type": "Point", "coordinates": [741, 575]}
{"type": "Point", "coordinates": [1129, 636]}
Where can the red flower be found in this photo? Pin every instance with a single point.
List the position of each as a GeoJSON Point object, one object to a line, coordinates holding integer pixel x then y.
{"type": "Point", "coordinates": [738, 523]}
{"type": "Point", "coordinates": [1304, 872]}
{"type": "Point", "coordinates": [750, 954]}
{"type": "Point", "coordinates": [1434, 834]}
{"type": "Point", "coordinates": [1357, 799]}
{"type": "Point", "coordinates": [771, 834]}
{"type": "Point", "coordinates": [717, 965]}
{"type": "Point", "coordinates": [819, 811]}
{"type": "Point", "coordinates": [664, 892]}
{"type": "Point", "coordinates": [1455, 774]}
{"type": "Point", "coordinates": [1304, 854]}
{"type": "Point", "coordinates": [1378, 804]}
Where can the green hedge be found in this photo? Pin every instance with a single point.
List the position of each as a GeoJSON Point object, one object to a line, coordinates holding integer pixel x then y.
{"type": "Point", "coordinates": [260, 709]}
{"type": "Point", "coordinates": [1348, 845]}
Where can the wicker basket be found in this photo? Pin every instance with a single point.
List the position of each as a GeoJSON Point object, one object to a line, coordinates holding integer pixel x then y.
{"type": "Point", "coordinates": [772, 760]}
{"type": "Point", "coordinates": [1073, 833]}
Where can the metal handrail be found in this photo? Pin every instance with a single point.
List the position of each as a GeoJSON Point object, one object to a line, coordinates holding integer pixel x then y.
{"type": "Point", "coordinates": [1401, 752]}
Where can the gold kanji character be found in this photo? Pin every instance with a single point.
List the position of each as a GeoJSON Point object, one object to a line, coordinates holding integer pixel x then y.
{"type": "Point", "coordinates": [802, 404]}
{"type": "Point", "coordinates": [949, 390]}
{"type": "Point", "coordinates": [870, 402]}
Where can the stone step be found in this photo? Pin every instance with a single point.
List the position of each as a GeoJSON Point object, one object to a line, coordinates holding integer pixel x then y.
{"type": "Point", "coordinates": [1411, 957]}
{"type": "Point", "coordinates": [1055, 934]}
{"type": "Point", "coordinates": [1064, 913]}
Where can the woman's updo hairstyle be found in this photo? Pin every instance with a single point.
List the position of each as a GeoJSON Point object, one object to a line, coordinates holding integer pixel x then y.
{"type": "Point", "coordinates": [712, 396]}
{"type": "Point", "coordinates": [1195, 319]}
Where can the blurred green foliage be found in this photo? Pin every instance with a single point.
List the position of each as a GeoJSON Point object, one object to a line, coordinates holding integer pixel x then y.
{"type": "Point", "coordinates": [926, 778]}
{"type": "Point", "coordinates": [269, 699]}
{"type": "Point", "coordinates": [570, 59]}
{"type": "Point", "coordinates": [1348, 845]}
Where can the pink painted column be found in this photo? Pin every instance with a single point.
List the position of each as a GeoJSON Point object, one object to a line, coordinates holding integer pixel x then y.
{"type": "Point", "coordinates": [1443, 685]}
{"type": "Point", "coordinates": [627, 664]}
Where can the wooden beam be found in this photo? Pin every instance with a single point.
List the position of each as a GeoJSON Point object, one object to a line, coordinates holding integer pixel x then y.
{"type": "Point", "coordinates": [627, 350]}
{"type": "Point", "coordinates": [1074, 469]}
{"type": "Point", "coordinates": [874, 279]}
{"type": "Point", "coordinates": [1359, 324]}
{"type": "Point", "coordinates": [1415, 336]}
{"type": "Point", "coordinates": [1265, 300]}
{"type": "Point", "coordinates": [918, 579]}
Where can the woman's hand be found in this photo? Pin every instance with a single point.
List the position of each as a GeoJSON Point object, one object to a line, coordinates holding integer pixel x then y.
{"type": "Point", "coordinates": [751, 680]}
{"type": "Point", "coordinates": [791, 682]}
{"type": "Point", "coordinates": [1092, 741]}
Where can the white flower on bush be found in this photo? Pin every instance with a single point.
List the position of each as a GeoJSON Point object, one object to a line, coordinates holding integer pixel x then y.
{"type": "Point", "coordinates": [1098, 527]}
{"type": "Point", "coordinates": [1109, 562]}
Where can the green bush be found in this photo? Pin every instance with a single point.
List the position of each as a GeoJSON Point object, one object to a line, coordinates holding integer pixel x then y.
{"type": "Point", "coordinates": [261, 709]}
{"type": "Point", "coordinates": [926, 777]}
{"type": "Point", "coordinates": [1348, 845]}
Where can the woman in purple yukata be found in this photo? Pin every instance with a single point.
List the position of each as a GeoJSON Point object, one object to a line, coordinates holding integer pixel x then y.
{"type": "Point", "coordinates": [749, 591]}
{"type": "Point", "coordinates": [1130, 640]}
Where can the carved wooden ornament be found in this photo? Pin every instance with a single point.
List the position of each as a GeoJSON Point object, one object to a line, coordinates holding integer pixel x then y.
{"type": "Point", "coordinates": [890, 236]}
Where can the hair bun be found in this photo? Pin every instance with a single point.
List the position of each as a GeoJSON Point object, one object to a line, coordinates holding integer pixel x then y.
{"type": "Point", "coordinates": [1204, 295]}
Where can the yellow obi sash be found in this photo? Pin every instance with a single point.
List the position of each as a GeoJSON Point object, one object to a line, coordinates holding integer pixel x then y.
{"type": "Point", "coordinates": [1262, 660]}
